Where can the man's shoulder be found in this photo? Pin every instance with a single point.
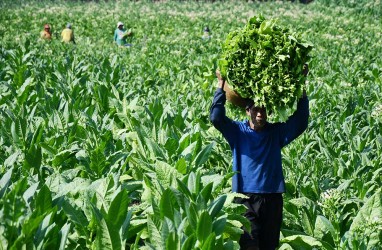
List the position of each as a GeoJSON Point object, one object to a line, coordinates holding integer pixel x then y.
{"type": "Point", "coordinates": [270, 126]}
{"type": "Point", "coordinates": [242, 125]}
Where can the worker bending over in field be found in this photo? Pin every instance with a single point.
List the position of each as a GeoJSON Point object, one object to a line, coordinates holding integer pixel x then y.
{"type": "Point", "coordinates": [67, 34]}
{"type": "Point", "coordinates": [256, 148]}
{"type": "Point", "coordinates": [46, 33]}
{"type": "Point", "coordinates": [120, 35]}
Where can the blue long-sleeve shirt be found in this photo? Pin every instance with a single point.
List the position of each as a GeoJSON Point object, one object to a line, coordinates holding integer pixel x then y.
{"type": "Point", "coordinates": [257, 154]}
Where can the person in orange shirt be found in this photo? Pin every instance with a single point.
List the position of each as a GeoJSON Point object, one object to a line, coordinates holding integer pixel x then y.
{"type": "Point", "coordinates": [46, 33]}
{"type": "Point", "coordinates": [67, 34]}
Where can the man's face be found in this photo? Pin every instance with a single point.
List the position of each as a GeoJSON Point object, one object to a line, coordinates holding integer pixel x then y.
{"type": "Point", "coordinates": [258, 116]}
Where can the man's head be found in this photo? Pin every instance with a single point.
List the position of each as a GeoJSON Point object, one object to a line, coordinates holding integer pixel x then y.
{"type": "Point", "coordinates": [258, 115]}
{"type": "Point", "coordinates": [46, 27]}
{"type": "Point", "coordinates": [69, 26]}
{"type": "Point", "coordinates": [120, 25]}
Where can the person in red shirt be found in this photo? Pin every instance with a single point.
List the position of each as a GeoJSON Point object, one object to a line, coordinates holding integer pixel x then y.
{"type": "Point", "coordinates": [46, 33]}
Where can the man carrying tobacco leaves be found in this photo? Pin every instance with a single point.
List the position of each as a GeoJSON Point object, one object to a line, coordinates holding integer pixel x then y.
{"type": "Point", "coordinates": [256, 148]}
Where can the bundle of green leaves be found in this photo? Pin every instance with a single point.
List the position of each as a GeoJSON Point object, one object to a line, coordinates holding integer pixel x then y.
{"type": "Point", "coordinates": [264, 61]}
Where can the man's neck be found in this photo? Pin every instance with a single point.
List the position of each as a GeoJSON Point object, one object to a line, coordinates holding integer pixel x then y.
{"type": "Point", "coordinates": [253, 127]}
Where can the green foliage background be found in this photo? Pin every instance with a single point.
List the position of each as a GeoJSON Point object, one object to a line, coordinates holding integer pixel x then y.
{"type": "Point", "coordinates": [106, 147]}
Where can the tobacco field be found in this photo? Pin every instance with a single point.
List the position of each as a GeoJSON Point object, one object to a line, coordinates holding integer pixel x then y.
{"type": "Point", "coordinates": [103, 147]}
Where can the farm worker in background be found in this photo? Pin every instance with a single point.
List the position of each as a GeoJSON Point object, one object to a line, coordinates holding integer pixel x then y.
{"type": "Point", "coordinates": [67, 34]}
{"type": "Point", "coordinates": [256, 148]}
{"type": "Point", "coordinates": [120, 35]}
{"type": "Point", "coordinates": [46, 33]}
{"type": "Point", "coordinates": [206, 33]}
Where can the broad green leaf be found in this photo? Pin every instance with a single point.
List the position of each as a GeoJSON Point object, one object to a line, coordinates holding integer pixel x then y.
{"type": "Point", "coordinates": [218, 181]}
{"type": "Point", "coordinates": [14, 209]}
{"type": "Point", "coordinates": [285, 246]}
{"type": "Point", "coordinates": [137, 227]}
{"type": "Point", "coordinates": [118, 210]}
{"type": "Point", "coordinates": [204, 226]}
{"type": "Point", "coordinates": [98, 160]}
{"type": "Point", "coordinates": [167, 204]}
{"type": "Point", "coordinates": [183, 189]}
{"type": "Point", "coordinates": [196, 138]}
{"type": "Point", "coordinates": [324, 229]}
{"type": "Point", "coordinates": [189, 243]}
{"type": "Point", "coordinates": [181, 166]}
{"type": "Point", "coordinates": [308, 213]}
{"type": "Point", "coordinates": [166, 173]}
{"type": "Point", "coordinates": [75, 215]}
{"type": "Point", "coordinates": [43, 230]}
{"type": "Point", "coordinates": [24, 90]}
{"type": "Point", "coordinates": [125, 177]}
{"type": "Point", "coordinates": [192, 215]}
{"type": "Point", "coordinates": [191, 183]}
{"type": "Point", "coordinates": [4, 181]}
{"type": "Point", "coordinates": [167, 228]}
{"type": "Point", "coordinates": [171, 146]}
{"type": "Point", "coordinates": [33, 158]}
{"type": "Point", "coordinates": [188, 151]}
{"type": "Point", "coordinates": [37, 135]}
{"type": "Point", "coordinates": [65, 155]}
{"type": "Point", "coordinates": [154, 232]}
{"type": "Point", "coordinates": [12, 159]}
{"type": "Point", "coordinates": [302, 202]}
{"type": "Point", "coordinates": [177, 219]}
{"type": "Point", "coordinates": [367, 221]}
{"type": "Point", "coordinates": [126, 224]}
{"type": "Point", "coordinates": [206, 192]}
{"type": "Point", "coordinates": [219, 224]}
{"type": "Point", "coordinates": [233, 231]}
{"type": "Point", "coordinates": [106, 239]}
{"type": "Point", "coordinates": [184, 142]}
{"type": "Point", "coordinates": [231, 245]}
{"type": "Point", "coordinates": [18, 129]}
{"type": "Point", "coordinates": [154, 149]}
{"type": "Point", "coordinates": [306, 221]}
{"type": "Point", "coordinates": [219, 242]}
{"type": "Point", "coordinates": [155, 207]}
{"type": "Point", "coordinates": [239, 217]}
{"type": "Point", "coordinates": [216, 206]}
{"type": "Point", "coordinates": [209, 243]}
{"type": "Point", "coordinates": [3, 240]}
{"type": "Point", "coordinates": [64, 232]}
{"type": "Point", "coordinates": [172, 241]}
{"type": "Point", "coordinates": [302, 242]}
{"type": "Point", "coordinates": [19, 243]}
{"type": "Point", "coordinates": [198, 183]}
{"type": "Point", "coordinates": [203, 155]}
{"type": "Point", "coordinates": [29, 193]}
{"type": "Point", "coordinates": [43, 200]}
{"type": "Point", "coordinates": [29, 229]}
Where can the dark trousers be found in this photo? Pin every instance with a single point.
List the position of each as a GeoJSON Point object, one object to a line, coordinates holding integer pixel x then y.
{"type": "Point", "coordinates": [264, 211]}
